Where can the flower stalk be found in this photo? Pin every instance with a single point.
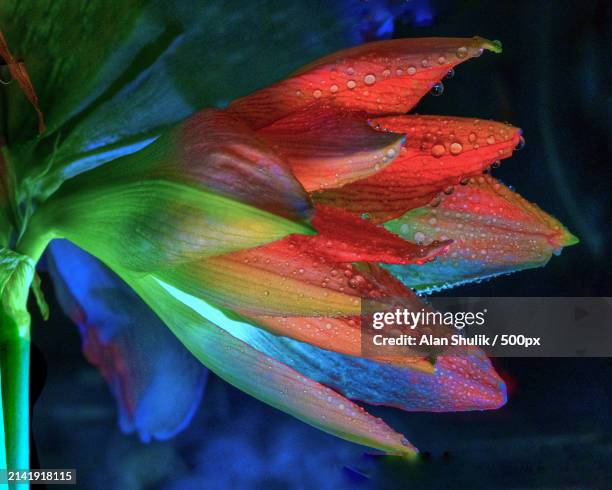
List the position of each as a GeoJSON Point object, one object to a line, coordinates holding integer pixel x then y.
{"type": "Point", "coordinates": [16, 275]}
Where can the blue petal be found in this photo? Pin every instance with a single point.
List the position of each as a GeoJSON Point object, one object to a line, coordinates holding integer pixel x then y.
{"type": "Point", "coordinates": [157, 383]}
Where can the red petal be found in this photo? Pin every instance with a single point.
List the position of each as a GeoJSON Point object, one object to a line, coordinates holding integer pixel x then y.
{"type": "Point", "coordinates": [494, 231]}
{"type": "Point", "coordinates": [328, 147]}
{"type": "Point", "coordinates": [343, 237]}
{"type": "Point", "coordinates": [439, 152]}
{"type": "Point", "coordinates": [385, 77]}
{"type": "Point", "coordinates": [221, 153]}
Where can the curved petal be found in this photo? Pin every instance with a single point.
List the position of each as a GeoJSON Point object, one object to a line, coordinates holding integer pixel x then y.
{"type": "Point", "coordinates": [297, 295]}
{"type": "Point", "coordinates": [439, 152]}
{"type": "Point", "coordinates": [330, 147]}
{"type": "Point", "coordinates": [494, 231]}
{"type": "Point", "coordinates": [207, 187]}
{"type": "Point", "coordinates": [384, 77]}
{"type": "Point", "coordinates": [156, 382]}
{"type": "Point", "coordinates": [343, 237]}
{"type": "Point", "coordinates": [466, 381]}
{"type": "Point", "coordinates": [262, 376]}
{"type": "Point", "coordinates": [300, 276]}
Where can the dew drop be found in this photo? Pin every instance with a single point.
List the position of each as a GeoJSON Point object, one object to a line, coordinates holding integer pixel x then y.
{"type": "Point", "coordinates": [419, 237]}
{"type": "Point", "coordinates": [369, 79]}
{"type": "Point", "coordinates": [441, 60]}
{"type": "Point", "coordinates": [496, 164]}
{"type": "Point", "coordinates": [333, 89]}
{"type": "Point", "coordinates": [299, 93]}
{"type": "Point", "coordinates": [450, 73]}
{"type": "Point", "coordinates": [449, 190]}
{"type": "Point", "coordinates": [464, 181]}
{"type": "Point", "coordinates": [351, 84]}
{"type": "Point", "coordinates": [411, 70]}
{"type": "Point", "coordinates": [462, 52]}
{"type": "Point", "coordinates": [472, 137]}
{"type": "Point", "coordinates": [391, 152]}
{"type": "Point", "coordinates": [386, 72]}
{"type": "Point", "coordinates": [437, 89]}
{"type": "Point", "coordinates": [456, 148]}
{"type": "Point", "coordinates": [316, 94]}
{"type": "Point", "coordinates": [520, 145]}
{"type": "Point", "coordinates": [490, 139]}
{"type": "Point", "coordinates": [438, 150]}
{"type": "Point", "coordinates": [425, 62]}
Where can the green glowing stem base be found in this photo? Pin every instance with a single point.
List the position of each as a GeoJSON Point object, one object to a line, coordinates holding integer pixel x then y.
{"type": "Point", "coordinates": [15, 381]}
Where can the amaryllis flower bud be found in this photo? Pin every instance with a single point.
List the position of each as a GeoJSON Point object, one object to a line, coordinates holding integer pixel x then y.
{"type": "Point", "coordinates": [213, 225]}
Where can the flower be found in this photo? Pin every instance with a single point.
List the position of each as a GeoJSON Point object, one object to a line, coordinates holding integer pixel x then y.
{"type": "Point", "coordinates": [256, 232]}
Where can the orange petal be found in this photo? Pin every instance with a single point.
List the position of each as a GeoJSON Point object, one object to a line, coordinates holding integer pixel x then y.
{"type": "Point", "coordinates": [439, 152]}
{"type": "Point", "coordinates": [328, 147]}
{"type": "Point", "coordinates": [495, 231]}
{"type": "Point", "coordinates": [385, 77]}
{"type": "Point", "coordinates": [19, 73]}
{"type": "Point", "coordinates": [295, 293]}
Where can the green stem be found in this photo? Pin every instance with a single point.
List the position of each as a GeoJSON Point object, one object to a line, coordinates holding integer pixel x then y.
{"type": "Point", "coordinates": [15, 391]}
{"type": "Point", "coordinates": [15, 367]}
{"type": "Point", "coordinates": [3, 466]}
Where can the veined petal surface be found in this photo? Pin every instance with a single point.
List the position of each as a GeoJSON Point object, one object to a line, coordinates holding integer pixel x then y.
{"type": "Point", "coordinates": [330, 147]}
{"type": "Point", "coordinates": [439, 152]}
{"type": "Point", "coordinates": [384, 77]}
{"type": "Point", "coordinates": [262, 376]}
{"type": "Point", "coordinates": [494, 231]}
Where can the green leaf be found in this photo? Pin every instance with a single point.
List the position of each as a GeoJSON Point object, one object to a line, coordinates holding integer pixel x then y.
{"type": "Point", "coordinates": [111, 74]}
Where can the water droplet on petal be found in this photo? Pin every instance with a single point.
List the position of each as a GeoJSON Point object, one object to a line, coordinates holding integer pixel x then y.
{"type": "Point", "coordinates": [316, 94]}
{"type": "Point", "coordinates": [450, 73]}
{"type": "Point", "coordinates": [472, 137]}
{"type": "Point", "coordinates": [490, 139]}
{"type": "Point", "coordinates": [456, 148]}
{"type": "Point", "coordinates": [462, 52]}
{"type": "Point", "coordinates": [351, 84]}
{"type": "Point", "coordinates": [437, 89]}
{"type": "Point", "coordinates": [411, 70]}
{"type": "Point", "coordinates": [333, 89]}
{"type": "Point", "coordinates": [449, 190]}
{"type": "Point", "coordinates": [419, 237]}
{"type": "Point", "coordinates": [424, 62]}
{"type": "Point", "coordinates": [369, 79]}
{"type": "Point", "coordinates": [520, 145]}
{"type": "Point", "coordinates": [438, 150]}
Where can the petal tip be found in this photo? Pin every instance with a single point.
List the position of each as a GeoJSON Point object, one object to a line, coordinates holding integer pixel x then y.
{"type": "Point", "coordinates": [495, 46]}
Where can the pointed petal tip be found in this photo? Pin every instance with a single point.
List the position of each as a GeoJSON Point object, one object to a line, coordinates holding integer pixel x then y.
{"type": "Point", "coordinates": [494, 46]}
{"type": "Point", "coordinates": [563, 239]}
